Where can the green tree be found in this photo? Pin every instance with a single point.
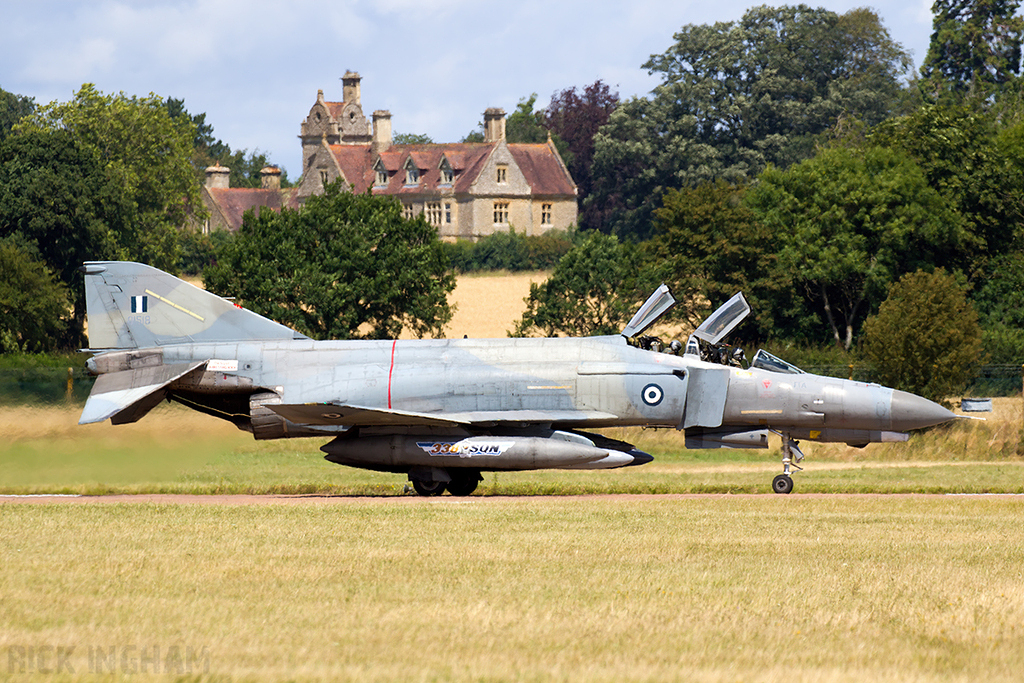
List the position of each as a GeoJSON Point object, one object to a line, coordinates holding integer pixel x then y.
{"type": "Point", "coordinates": [974, 49]}
{"type": "Point", "coordinates": [978, 169]}
{"type": "Point", "coordinates": [57, 200]}
{"type": "Point", "coordinates": [925, 338]}
{"type": "Point", "coordinates": [13, 108]}
{"type": "Point", "coordinates": [411, 139]}
{"type": "Point", "coordinates": [525, 125]}
{"type": "Point", "coordinates": [33, 303]}
{"type": "Point", "coordinates": [999, 301]}
{"type": "Point", "coordinates": [736, 96]}
{"type": "Point", "coordinates": [849, 222]}
{"type": "Point", "coordinates": [343, 266]}
{"type": "Point", "coordinates": [146, 152]}
{"type": "Point", "coordinates": [708, 245]}
{"type": "Point", "coordinates": [595, 289]}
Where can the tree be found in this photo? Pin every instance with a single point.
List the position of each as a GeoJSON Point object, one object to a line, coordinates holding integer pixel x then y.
{"type": "Point", "coordinates": [708, 245]}
{"type": "Point", "coordinates": [412, 139]}
{"type": "Point", "coordinates": [999, 301]}
{"type": "Point", "coordinates": [925, 338]}
{"type": "Point", "coordinates": [849, 222]}
{"type": "Point", "coordinates": [576, 117]}
{"type": "Point", "coordinates": [13, 108]}
{"type": "Point", "coordinates": [975, 47]}
{"type": "Point", "coordinates": [146, 152]}
{"type": "Point", "coordinates": [57, 200]}
{"type": "Point", "coordinates": [343, 266]}
{"type": "Point", "coordinates": [595, 289]}
{"type": "Point", "coordinates": [978, 170]}
{"type": "Point", "coordinates": [33, 304]}
{"type": "Point", "coordinates": [736, 96]}
{"type": "Point", "coordinates": [525, 124]}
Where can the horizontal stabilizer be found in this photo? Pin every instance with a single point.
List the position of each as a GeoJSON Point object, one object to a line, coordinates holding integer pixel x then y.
{"type": "Point", "coordinates": [332, 414]}
{"type": "Point", "coordinates": [128, 395]}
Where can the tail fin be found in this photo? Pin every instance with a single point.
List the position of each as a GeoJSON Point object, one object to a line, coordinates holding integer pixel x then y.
{"type": "Point", "coordinates": [131, 305]}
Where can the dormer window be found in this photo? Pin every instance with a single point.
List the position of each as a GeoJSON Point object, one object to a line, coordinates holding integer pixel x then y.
{"type": "Point", "coordinates": [447, 174]}
{"type": "Point", "coordinates": [412, 174]}
{"type": "Point", "coordinates": [380, 175]}
{"type": "Point", "coordinates": [502, 176]}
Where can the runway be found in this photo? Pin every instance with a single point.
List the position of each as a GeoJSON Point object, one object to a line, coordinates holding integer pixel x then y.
{"type": "Point", "coordinates": [330, 499]}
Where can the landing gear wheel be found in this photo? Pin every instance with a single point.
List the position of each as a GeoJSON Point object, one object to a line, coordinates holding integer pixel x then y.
{"type": "Point", "coordinates": [463, 485]}
{"type": "Point", "coordinates": [783, 483]}
{"type": "Point", "coordinates": [428, 488]}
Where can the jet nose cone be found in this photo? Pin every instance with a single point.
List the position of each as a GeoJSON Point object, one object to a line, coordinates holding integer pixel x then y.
{"type": "Point", "coordinates": [639, 458]}
{"type": "Point", "coordinates": [910, 411]}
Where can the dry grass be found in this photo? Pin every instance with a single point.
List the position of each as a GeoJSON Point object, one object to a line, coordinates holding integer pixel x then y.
{"type": "Point", "coordinates": [720, 589]}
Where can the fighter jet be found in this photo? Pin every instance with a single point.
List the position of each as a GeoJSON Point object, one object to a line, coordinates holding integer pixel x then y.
{"type": "Point", "coordinates": [442, 411]}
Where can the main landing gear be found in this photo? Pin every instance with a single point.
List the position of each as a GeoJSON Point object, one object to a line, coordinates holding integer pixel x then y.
{"type": "Point", "coordinates": [791, 452]}
{"type": "Point", "coordinates": [460, 483]}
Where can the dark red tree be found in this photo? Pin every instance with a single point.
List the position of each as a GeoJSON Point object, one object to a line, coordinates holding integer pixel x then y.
{"type": "Point", "coordinates": [576, 116]}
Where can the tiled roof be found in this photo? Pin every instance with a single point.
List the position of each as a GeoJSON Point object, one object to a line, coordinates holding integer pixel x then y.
{"type": "Point", "coordinates": [335, 109]}
{"type": "Point", "coordinates": [542, 169]}
{"type": "Point", "coordinates": [234, 202]}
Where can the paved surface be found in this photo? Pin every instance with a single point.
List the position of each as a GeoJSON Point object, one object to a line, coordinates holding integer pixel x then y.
{"type": "Point", "coordinates": [329, 499]}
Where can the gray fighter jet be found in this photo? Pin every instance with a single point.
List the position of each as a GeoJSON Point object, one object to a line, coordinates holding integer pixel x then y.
{"type": "Point", "coordinates": [443, 411]}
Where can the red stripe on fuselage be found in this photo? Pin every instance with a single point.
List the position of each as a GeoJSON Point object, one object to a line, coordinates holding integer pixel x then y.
{"type": "Point", "coordinates": [391, 370]}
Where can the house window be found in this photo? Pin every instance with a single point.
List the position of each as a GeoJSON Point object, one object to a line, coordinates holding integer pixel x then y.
{"type": "Point", "coordinates": [434, 213]}
{"type": "Point", "coordinates": [500, 213]}
{"type": "Point", "coordinates": [407, 212]}
{"type": "Point", "coordinates": [448, 213]}
{"type": "Point", "coordinates": [447, 174]}
{"type": "Point", "coordinates": [380, 175]}
{"type": "Point", "coordinates": [545, 214]}
{"type": "Point", "coordinates": [324, 178]}
{"type": "Point", "coordinates": [502, 175]}
{"type": "Point", "coordinates": [412, 174]}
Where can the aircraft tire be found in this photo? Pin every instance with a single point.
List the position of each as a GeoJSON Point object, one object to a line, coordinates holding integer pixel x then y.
{"type": "Point", "coordinates": [428, 488]}
{"type": "Point", "coordinates": [783, 483]}
{"type": "Point", "coordinates": [463, 484]}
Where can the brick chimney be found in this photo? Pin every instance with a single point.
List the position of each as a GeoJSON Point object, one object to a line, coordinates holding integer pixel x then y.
{"type": "Point", "coordinates": [218, 177]}
{"type": "Point", "coordinates": [494, 124]}
{"type": "Point", "coordinates": [270, 178]}
{"type": "Point", "coordinates": [381, 130]}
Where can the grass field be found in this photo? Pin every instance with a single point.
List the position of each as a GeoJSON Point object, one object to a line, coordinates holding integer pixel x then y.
{"type": "Point", "coordinates": [724, 588]}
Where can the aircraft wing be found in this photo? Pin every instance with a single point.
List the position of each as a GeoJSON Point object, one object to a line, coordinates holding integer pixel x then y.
{"type": "Point", "coordinates": [127, 395]}
{"type": "Point", "coordinates": [323, 414]}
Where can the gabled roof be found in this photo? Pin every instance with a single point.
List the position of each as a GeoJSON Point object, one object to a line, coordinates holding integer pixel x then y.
{"type": "Point", "coordinates": [235, 201]}
{"type": "Point", "coordinates": [542, 169]}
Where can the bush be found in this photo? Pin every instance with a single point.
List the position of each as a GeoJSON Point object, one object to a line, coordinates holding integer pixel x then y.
{"type": "Point", "coordinates": [925, 337]}
{"type": "Point", "coordinates": [510, 250]}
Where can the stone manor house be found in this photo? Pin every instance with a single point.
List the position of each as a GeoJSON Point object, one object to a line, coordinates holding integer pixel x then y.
{"type": "Point", "coordinates": [468, 189]}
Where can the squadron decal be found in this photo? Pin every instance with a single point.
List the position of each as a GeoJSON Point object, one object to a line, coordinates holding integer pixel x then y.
{"type": "Point", "coordinates": [465, 449]}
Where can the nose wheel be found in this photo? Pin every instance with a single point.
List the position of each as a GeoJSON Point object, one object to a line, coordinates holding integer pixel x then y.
{"type": "Point", "coordinates": [791, 457]}
{"type": "Point", "coordinates": [782, 483]}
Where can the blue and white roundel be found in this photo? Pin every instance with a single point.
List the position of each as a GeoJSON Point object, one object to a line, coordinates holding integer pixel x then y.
{"type": "Point", "coordinates": [652, 394]}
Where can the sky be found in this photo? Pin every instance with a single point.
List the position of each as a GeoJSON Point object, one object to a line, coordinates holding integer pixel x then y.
{"type": "Point", "coordinates": [255, 66]}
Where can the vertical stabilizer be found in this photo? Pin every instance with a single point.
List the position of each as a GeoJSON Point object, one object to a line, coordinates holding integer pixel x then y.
{"type": "Point", "coordinates": [131, 305]}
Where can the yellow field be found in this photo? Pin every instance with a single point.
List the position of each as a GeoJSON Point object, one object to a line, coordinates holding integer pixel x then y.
{"type": "Point", "coordinates": [489, 305]}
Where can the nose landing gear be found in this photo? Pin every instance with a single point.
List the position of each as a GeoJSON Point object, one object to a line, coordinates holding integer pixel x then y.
{"type": "Point", "coordinates": [791, 452]}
